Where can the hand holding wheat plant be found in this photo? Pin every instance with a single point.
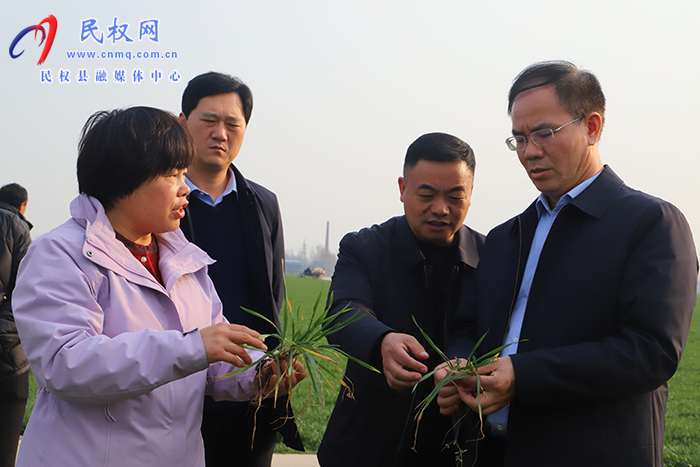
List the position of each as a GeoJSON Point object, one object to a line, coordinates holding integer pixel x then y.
{"type": "Point", "coordinates": [302, 350]}
{"type": "Point", "coordinates": [454, 370]}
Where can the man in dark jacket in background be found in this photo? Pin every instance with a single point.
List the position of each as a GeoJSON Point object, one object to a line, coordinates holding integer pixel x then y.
{"type": "Point", "coordinates": [14, 367]}
{"type": "Point", "coordinates": [238, 223]}
{"type": "Point", "coordinates": [413, 265]}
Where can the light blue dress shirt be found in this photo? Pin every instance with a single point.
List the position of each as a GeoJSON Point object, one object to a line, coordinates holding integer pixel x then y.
{"type": "Point", "coordinates": [204, 197]}
{"type": "Point", "coordinates": [546, 216]}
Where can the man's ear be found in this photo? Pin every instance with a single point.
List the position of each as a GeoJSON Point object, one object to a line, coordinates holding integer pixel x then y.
{"type": "Point", "coordinates": [183, 119]}
{"type": "Point", "coordinates": [402, 187]}
{"type": "Point", "coordinates": [594, 125]}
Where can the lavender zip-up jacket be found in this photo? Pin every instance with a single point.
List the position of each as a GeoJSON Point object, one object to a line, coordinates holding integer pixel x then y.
{"type": "Point", "coordinates": [118, 358]}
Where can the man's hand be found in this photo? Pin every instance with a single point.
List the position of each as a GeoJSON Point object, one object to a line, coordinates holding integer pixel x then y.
{"type": "Point", "coordinates": [288, 381]}
{"type": "Point", "coordinates": [448, 397]}
{"type": "Point", "coordinates": [223, 341]}
{"type": "Point", "coordinates": [498, 384]}
{"type": "Point", "coordinates": [398, 352]}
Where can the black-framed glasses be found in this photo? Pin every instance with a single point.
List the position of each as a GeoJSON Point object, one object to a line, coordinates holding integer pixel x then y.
{"type": "Point", "coordinates": [539, 137]}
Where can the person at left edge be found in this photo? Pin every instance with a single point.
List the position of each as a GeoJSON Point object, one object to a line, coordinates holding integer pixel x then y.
{"type": "Point", "coordinates": [14, 367]}
{"type": "Point", "coordinates": [238, 223]}
{"type": "Point", "coordinates": [121, 324]}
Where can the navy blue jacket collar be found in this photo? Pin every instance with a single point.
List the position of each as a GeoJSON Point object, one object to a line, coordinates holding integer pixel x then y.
{"type": "Point", "coordinates": [594, 200]}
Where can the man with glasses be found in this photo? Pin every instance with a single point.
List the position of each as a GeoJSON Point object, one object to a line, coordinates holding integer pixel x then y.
{"type": "Point", "coordinates": [593, 287]}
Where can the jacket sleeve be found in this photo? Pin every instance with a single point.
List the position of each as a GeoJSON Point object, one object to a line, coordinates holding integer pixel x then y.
{"type": "Point", "coordinates": [352, 287]}
{"type": "Point", "coordinates": [232, 388]}
{"type": "Point", "coordinates": [21, 241]}
{"type": "Point", "coordinates": [60, 323]}
{"type": "Point", "coordinates": [653, 306]}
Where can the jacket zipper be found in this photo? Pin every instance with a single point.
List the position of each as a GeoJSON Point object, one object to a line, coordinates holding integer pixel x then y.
{"type": "Point", "coordinates": [413, 397]}
{"type": "Point", "coordinates": [450, 283]}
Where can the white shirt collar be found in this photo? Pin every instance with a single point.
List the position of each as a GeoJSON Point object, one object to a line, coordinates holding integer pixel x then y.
{"type": "Point", "coordinates": [231, 186]}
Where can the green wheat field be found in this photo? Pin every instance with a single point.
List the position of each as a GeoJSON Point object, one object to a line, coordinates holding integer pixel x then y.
{"type": "Point", "coordinates": [682, 441]}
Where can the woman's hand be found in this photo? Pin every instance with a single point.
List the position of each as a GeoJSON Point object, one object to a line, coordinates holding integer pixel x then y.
{"type": "Point", "coordinates": [223, 343]}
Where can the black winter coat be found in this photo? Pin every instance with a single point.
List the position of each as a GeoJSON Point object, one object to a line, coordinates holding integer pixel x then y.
{"type": "Point", "coordinates": [381, 272]}
{"type": "Point", "coordinates": [606, 321]}
{"type": "Point", "coordinates": [14, 242]}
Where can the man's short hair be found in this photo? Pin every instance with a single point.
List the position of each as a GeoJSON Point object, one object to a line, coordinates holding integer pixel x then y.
{"type": "Point", "coordinates": [14, 194]}
{"type": "Point", "coordinates": [119, 150]}
{"type": "Point", "coordinates": [439, 147]}
{"type": "Point", "coordinates": [213, 84]}
{"type": "Point", "coordinates": [579, 91]}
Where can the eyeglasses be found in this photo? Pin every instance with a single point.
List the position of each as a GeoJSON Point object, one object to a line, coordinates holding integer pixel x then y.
{"type": "Point", "coordinates": [539, 137]}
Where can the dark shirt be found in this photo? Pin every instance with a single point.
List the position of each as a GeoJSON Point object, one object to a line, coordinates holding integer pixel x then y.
{"type": "Point", "coordinates": [442, 261]}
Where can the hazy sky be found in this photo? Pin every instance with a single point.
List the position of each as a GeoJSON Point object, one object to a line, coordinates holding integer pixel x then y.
{"type": "Point", "coordinates": [342, 88]}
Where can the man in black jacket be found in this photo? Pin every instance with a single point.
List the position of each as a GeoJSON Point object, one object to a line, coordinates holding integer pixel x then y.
{"type": "Point", "coordinates": [238, 223]}
{"type": "Point", "coordinates": [409, 266]}
{"type": "Point", "coordinates": [593, 287]}
{"type": "Point", "coordinates": [14, 367]}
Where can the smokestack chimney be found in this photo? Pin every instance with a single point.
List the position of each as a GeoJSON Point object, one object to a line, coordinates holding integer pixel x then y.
{"type": "Point", "coordinates": [327, 230]}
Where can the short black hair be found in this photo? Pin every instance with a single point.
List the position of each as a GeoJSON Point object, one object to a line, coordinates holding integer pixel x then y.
{"type": "Point", "coordinates": [439, 147]}
{"type": "Point", "coordinates": [213, 84]}
{"type": "Point", "coordinates": [119, 150]}
{"type": "Point", "coordinates": [14, 194]}
{"type": "Point", "coordinates": [578, 90]}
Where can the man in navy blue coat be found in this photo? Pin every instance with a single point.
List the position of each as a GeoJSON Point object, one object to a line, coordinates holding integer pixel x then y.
{"type": "Point", "coordinates": [238, 223]}
{"type": "Point", "coordinates": [593, 286]}
{"type": "Point", "coordinates": [412, 265]}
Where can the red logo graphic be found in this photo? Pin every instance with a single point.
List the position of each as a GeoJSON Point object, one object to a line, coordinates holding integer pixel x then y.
{"type": "Point", "coordinates": [53, 24]}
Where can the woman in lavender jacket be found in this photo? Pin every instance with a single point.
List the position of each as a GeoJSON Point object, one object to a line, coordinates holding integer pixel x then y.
{"type": "Point", "coordinates": [121, 324]}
